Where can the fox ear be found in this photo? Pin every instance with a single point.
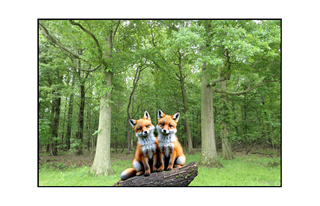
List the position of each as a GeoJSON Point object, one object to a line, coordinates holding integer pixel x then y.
{"type": "Point", "coordinates": [160, 114]}
{"type": "Point", "coordinates": [176, 116]}
{"type": "Point", "coordinates": [146, 115]}
{"type": "Point", "coordinates": [132, 122]}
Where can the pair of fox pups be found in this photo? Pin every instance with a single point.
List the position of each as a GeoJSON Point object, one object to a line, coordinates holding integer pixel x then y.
{"type": "Point", "coordinates": [163, 152]}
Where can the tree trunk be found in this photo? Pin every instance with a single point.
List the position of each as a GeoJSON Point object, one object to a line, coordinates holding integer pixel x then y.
{"type": "Point", "coordinates": [209, 157]}
{"type": "Point", "coordinates": [81, 119]}
{"type": "Point", "coordinates": [70, 111]}
{"type": "Point", "coordinates": [49, 147]}
{"type": "Point", "coordinates": [225, 125]}
{"type": "Point", "coordinates": [116, 129]}
{"type": "Point", "coordinates": [190, 147]}
{"type": "Point", "coordinates": [132, 112]}
{"type": "Point", "coordinates": [89, 131]}
{"type": "Point", "coordinates": [128, 137]}
{"type": "Point", "coordinates": [64, 120]}
{"type": "Point", "coordinates": [102, 163]}
{"type": "Point", "coordinates": [245, 123]}
{"type": "Point", "coordinates": [54, 133]}
{"type": "Point", "coordinates": [178, 177]}
{"type": "Point", "coordinates": [185, 106]}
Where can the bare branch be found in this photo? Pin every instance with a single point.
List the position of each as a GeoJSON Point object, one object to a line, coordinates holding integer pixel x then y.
{"type": "Point", "coordinates": [219, 80]}
{"type": "Point", "coordinates": [90, 33]}
{"type": "Point", "coordinates": [184, 76]}
{"type": "Point", "coordinates": [154, 44]}
{"type": "Point", "coordinates": [258, 61]}
{"type": "Point", "coordinates": [115, 31]}
{"type": "Point", "coordinates": [179, 77]}
{"type": "Point", "coordinates": [91, 70]}
{"type": "Point", "coordinates": [54, 40]}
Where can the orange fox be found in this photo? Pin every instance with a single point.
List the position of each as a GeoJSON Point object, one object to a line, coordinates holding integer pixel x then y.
{"type": "Point", "coordinates": [171, 152]}
{"type": "Point", "coordinates": [146, 150]}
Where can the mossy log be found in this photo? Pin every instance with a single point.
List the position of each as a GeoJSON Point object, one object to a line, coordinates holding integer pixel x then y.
{"type": "Point", "coordinates": [178, 177]}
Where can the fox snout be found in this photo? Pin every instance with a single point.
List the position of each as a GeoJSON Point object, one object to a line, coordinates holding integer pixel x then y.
{"type": "Point", "coordinates": [164, 131]}
{"type": "Point", "coordinates": [146, 132]}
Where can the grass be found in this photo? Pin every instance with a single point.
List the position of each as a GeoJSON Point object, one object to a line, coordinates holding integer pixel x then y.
{"type": "Point", "coordinates": [241, 171]}
{"type": "Point", "coordinates": [250, 170]}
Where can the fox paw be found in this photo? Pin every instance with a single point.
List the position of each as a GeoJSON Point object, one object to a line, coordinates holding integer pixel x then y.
{"type": "Point", "coordinates": [168, 169]}
{"type": "Point", "coordinates": [146, 174]}
{"type": "Point", "coordinates": [174, 166]}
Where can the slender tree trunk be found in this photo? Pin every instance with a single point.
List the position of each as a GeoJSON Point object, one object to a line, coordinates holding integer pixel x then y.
{"type": "Point", "coordinates": [89, 130]}
{"type": "Point", "coordinates": [49, 147]}
{"type": "Point", "coordinates": [185, 106]}
{"type": "Point", "coordinates": [56, 109]}
{"type": "Point", "coordinates": [116, 130]}
{"type": "Point", "coordinates": [70, 112]}
{"type": "Point", "coordinates": [132, 112]}
{"type": "Point", "coordinates": [209, 157]}
{"type": "Point", "coordinates": [245, 123]}
{"type": "Point", "coordinates": [225, 125]}
{"type": "Point", "coordinates": [64, 120]}
{"type": "Point", "coordinates": [190, 147]}
{"type": "Point", "coordinates": [128, 137]}
{"type": "Point", "coordinates": [81, 119]}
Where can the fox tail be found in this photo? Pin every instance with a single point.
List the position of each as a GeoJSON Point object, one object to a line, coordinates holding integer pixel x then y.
{"type": "Point", "coordinates": [127, 173]}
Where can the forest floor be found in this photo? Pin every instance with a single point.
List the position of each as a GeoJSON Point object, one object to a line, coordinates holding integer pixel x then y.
{"type": "Point", "coordinates": [67, 159]}
{"type": "Point", "coordinates": [259, 168]}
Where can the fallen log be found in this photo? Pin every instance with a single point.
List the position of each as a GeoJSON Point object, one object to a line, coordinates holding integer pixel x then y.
{"type": "Point", "coordinates": [178, 177]}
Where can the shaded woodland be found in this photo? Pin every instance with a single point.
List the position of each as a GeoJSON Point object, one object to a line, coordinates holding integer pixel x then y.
{"type": "Point", "coordinates": [223, 76]}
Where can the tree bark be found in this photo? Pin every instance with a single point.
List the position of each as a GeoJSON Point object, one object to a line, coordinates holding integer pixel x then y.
{"type": "Point", "coordinates": [70, 112]}
{"type": "Point", "coordinates": [116, 129]}
{"type": "Point", "coordinates": [225, 125]}
{"type": "Point", "coordinates": [178, 177]}
{"type": "Point", "coordinates": [209, 157]}
{"type": "Point", "coordinates": [102, 163]}
{"type": "Point", "coordinates": [81, 119]}
{"type": "Point", "coordinates": [132, 112]}
{"type": "Point", "coordinates": [185, 106]}
{"type": "Point", "coordinates": [54, 132]}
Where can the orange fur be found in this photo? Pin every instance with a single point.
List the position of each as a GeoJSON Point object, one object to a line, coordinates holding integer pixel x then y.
{"type": "Point", "coordinates": [147, 148]}
{"type": "Point", "coordinates": [176, 157]}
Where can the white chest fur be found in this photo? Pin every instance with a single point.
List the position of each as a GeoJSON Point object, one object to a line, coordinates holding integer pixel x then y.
{"type": "Point", "coordinates": [148, 145]}
{"type": "Point", "coordinates": [166, 143]}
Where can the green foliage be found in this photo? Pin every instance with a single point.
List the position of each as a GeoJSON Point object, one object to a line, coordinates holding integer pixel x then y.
{"type": "Point", "coordinates": [250, 48]}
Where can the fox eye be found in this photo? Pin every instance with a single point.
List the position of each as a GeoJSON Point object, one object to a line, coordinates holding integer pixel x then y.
{"type": "Point", "coordinates": [147, 126]}
{"type": "Point", "coordinates": [140, 128]}
{"type": "Point", "coordinates": [162, 124]}
{"type": "Point", "coordinates": [170, 125]}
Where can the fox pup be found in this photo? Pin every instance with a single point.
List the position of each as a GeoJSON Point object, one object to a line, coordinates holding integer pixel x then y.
{"type": "Point", "coordinates": [147, 148]}
{"type": "Point", "coordinates": [171, 152]}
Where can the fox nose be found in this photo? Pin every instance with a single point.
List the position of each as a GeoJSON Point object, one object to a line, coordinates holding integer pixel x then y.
{"type": "Point", "coordinates": [145, 132]}
{"type": "Point", "coordinates": [165, 131]}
